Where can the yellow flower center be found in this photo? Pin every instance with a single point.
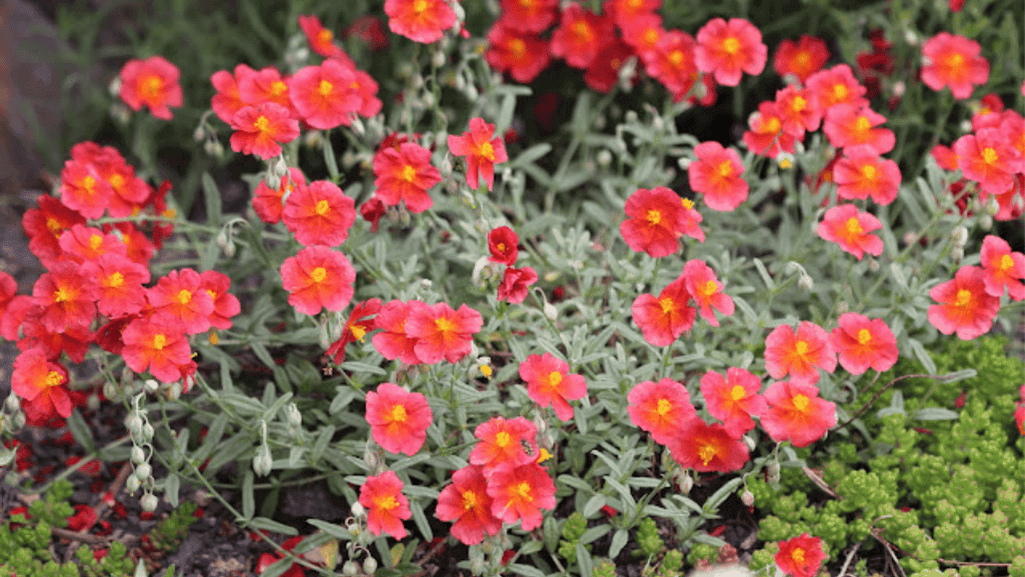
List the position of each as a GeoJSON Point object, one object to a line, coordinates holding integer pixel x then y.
{"type": "Point", "coordinates": [955, 60]}
{"type": "Point", "coordinates": [675, 57]}
{"type": "Point", "coordinates": [159, 342]}
{"type": "Point", "coordinates": [864, 337]}
{"type": "Point", "coordinates": [1006, 263]}
{"type": "Point", "coordinates": [801, 402]}
{"type": "Point", "coordinates": [325, 88]}
{"type": "Point", "coordinates": [115, 280]}
{"type": "Point", "coordinates": [725, 169]}
{"type": "Point", "coordinates": [62, 295]}
{"type": "Point", "coordinates": [802, 59]}
{"type": "Point", "coordinates": [487, 151]}
{"type": "Point", "coordinates": [798, 104]}
{"type": "Point", "coordinates": [444, 325]}
{"type": "Point", "coordinates": [116, 181]}
{"type": "Point", "coordinates": [666, 304]}
{"type": "Point", "coordinates": [773, 125]}
{"type": "Point", "coordinates": [469, 500]}
{"type": "Point", "coordinates": [318, 274]}
{"type": "Point", "coordinates": [502, 439]}
{"type": "Point", "coordinates": [554, 379]}
{"type": "Point", "coordinates": [386, 502]}
{"type": "Point", "coordinates": [802, 348]}
{"type": "Point", "coordinates": [261, 123]}
{"type": "Point", "coordinates": [277, 88]}
{"type": "Point", "coordinates": [653, 217]}
{"type": "Point", "coordinates": [839, 92]}
{"type": "Point", "coordinates": [151, 87]}
{"type": "Point", "coordinates": [89, 183]}
{"type": "Point", "coordinates": [853, 226]}
{"type": "Point", "coordinates": [731, 45]}
{"type": "Point", "coordinates": [95, 242]}
{"type": "Point", "coordinates": [989, 156]}
{"type": "Point", "coordinates": [798, 555]}
{"type": "Point", "coordinates": [522, 492]}
{"type": "Point", "coordinates": [358, 332]}
{"type": "Point", "coordinates": [582, 30]}
{"type": "Point", "coordinates": [862, 125]}
{"type": "Point", "coordinates": [419, 6]}
{"type": "Point", "coordinates": [737, 392]}
{"type": "Point", "coordinates": [486, 371]}
{"type": "Point", "coordinates": [53, 226]}
{"type": "Point", "coordinates": [964, 297]}
{"type": "Point", "coordinates": [184, 296]}
{"type": "Point", "coordinates": [707, 453]}
{"type": "Point", "coordinates": [710, 288]}
{"type": "Point", "coordinates": [518, 48]}
{"type": "Point", "coordinates": [869, 172]}
{"type": "Point", "coordinates": [398, 413]}
{"type": "Point", "coordinates": [325, 36]}
{"type": "Point", "coordinates": [322, 207]}
{"type": "Point", "coordinates": [408, 173]}
{"type": "Point", "coordinates": [650, 37]}
{"type": "Point", "coordinates": [662, 407]}
{"type": "Point", "coordinates": [687, 203]}
{"type": "Point", "coordinates": [53, 378]}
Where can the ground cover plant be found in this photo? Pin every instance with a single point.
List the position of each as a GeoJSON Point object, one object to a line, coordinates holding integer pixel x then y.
{"type": "Point", "coordinates": [547, 331]}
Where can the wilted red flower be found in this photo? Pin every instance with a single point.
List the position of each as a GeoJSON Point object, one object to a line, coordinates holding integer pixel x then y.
{"type": "Point", "coordinates": [386, 506]}
{"type": "Point", "coordinates": [398, 418]}
{"type": "Point", "coordinates": [441, 332]}
{"type": "Point", "coordinates": [802, 59]}
{"type": "Point", "coordinates": [851, 229]}
{"type": "Point", "coordinates": [325, 96]}
{"type": "Point", "coordinates": [482, 152]}
{"type": "Point", "coordinates": [727, 49]}
{"type": "Point", "coordinates": [655, 221]}
{"type": "Point", "coordinates": [372, 210]}
{"type": "Point", "coordinates": [801, 556]}
{"type": "Point", "coordinates": [733, 399]}
{"type": "Point", "coordinates": [519, 494]}
{"type": "Point", "coordinates": [717, 175]}
{"type": "Point", "coordinates": [421, 21]}
{"type": "Point", "coordinates": [796, 413]}
{"type": "Point", "coordinates": [466, 501]}
{"type": "Point", "coordinates": [157, 344]}
{"type": "Point", "coordinates": [153, 82]}
{"type": "Point", "coordinates": [580, 36]}
{"type": "Point", "coordinates": [988, 158]}
{"type": "Point", "coordinates": [318, 277]}
{"type": "Point", "coordinates": [549, 382]}
{"type": "Point", "coordinates": [954, 61]}
{"type": "Point", "coordinates": [964, 305]}
{"type": "Point", "coordinates": [269, 202]}
{"type": "Point", "coordinates": [1002, 268]}
{"type": "Point", "coordinates": [319, 214]}
{"type": "Point", "coordinates": [393, 342]}
{"type": "Point", "coordinates": [261, 130]}
{"type": "Point", "coordinates": [516, 284]}
{"type": "Point", "coordinates": [404, 173]}
{"type": "Point", "coordinates": [706, 448]}
{"type": "Point", "coordinates": [502, 243]}
{"type": "Point", "coordinates": [518, 52]}
{"type": "Point", "coordinates": [846, 126]}
{"type": "Point", "coordinates": [799, 354]}
{"type": "Point", "coordinates": [864, 343]}
{"type": "Point", "coordinates": [861, 173]}
{"type": "Point", "coordinates": [765, 135]}
{"type": "Point", "coordinates": [34, 378]}
{"type": "Point", "coordinates": [502, 443]}
{"type": "Point", "coordinates": [663, 319]}
{"type": "Point", "coordinates": [660, 408]}
{"type": "Point", "coordinates": [355, 328]}
{"type": "Point", "coordinates": [603, 73]}
{"type": "Point", "coordinates": [704, 286]}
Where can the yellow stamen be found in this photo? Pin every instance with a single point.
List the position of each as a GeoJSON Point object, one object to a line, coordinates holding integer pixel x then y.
{"type": "Point", "coordinates": [277, 88]}
{"type": "Point", "coordinates": [869, 172]}
{"type": "Point", "coordinates": [731, 45]}
{"type": "Point", "coordinates": [318, 274]}
{"type": "Point", "coordinates": [853, 227]}
{"type": "Point", "coordinates": [989, 156]}
{"type": "Point", "coordinates": [710, 288]}
{"type": "Point", "coordinates": [184, 296]}
{"type": "Point", "coordinates": [325, 36]}
{"type": "Point", "coordinates": [151, 87]}
{"type": "Point", "coordinates": [358, 331]}
{"type": "Point", "coordinates": [322, 207]}
{"type": "Point", "coordinates": [116, 181]}
{"type": "Point", "coordinates": [62, 295]}
{"type": "Point", "coordinates": [325, 88]}
{"type": "Point", "coordinates": [737, 392]}
{"type": "Point", "coordinates": [662, 407]}
{"type": "Point", "coordinates": [419, 6]}
{"type": "Point", "coordinates": [95, 242]}
{"type": "Point", "coordinates": [801, 402]}
{"type": "Point", "coordinates": [798, 104]}
{"type": "Point", "coordinates": [502, 439]}
{"type": "Point", "coordinates": [802, 348]}
{"type": "Point", "coordinates": [444, 325]}
{"type": "Point", "coordinates": [687, 203]}
{"type": "Point", "coordinates": [675, 57]}
{"type": "Point", "coordinates": [518, 48]}
{"type": "Point", "coordinates": [386, 502]}
{"type": "Point", "coordinates": [840, 92]}
{"type": "Point", "coordinates": [486, 371]}
{"type": "Point", "coordinates": [53, 379]}
{"type": "Point", "coordinates": [398, 414]}
{"type": "Point", "coordinates": [213, 338]}
{"type": "Point", "coordinates": [521, 492]}
{"type": "Point", "coordinates": [707, 453]}
{"type": "Point", "coordinates": [469, 500]}
{"type": "Point", "coordinates": [554, 379]}
{"type": "Point", "coordinates": [261, 123]}
{"type": "Point", "coordinates": [667, 305]}
{"type": "Point", "coordinates": [964, 297]}
{"type": "Point", "coordinates": [725, 169]}
{"type": "Point", "coordinates": [862, 124]}
{"type": "Point", "coordinates": [1006, 263]}
{"type": "Point", "coordinates": [159, 342]}
{"type": "Point", "coordinates": [487, 151]}
{"type": "Point", "coordinates": [408, 173]}
{"type": "Point", "coordinates": [115, 280]}
{"type": "Point", "coordinates": [864, 337]}
{"type": "Point", "coordinates": [773, 125]}
{"type": "Point", "coordinates": [654, 217]}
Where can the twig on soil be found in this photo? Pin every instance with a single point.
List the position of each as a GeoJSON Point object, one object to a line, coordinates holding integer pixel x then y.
{"type": "Point", "coordinates": [815, 478]}
{"type": "Point", "coordinates": [437, 548]}
{"type": "Point", "coordinates": [78, 536]}
{"type": "Point", "coordinates": [850, 557]}
{"type": "Point", "coordinates": [880, 393]}
{"type": "Point", "coordinates": [889, 549]}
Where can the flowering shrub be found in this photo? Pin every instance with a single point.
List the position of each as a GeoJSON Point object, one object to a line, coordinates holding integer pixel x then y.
{"type": "Point", "coordinates": [505, 358]}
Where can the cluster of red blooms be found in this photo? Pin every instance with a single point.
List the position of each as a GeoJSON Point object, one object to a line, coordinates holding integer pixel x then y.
{"type": "Point", "coordinates": [801, 556]}
{"type": "Point", "coordinates": [502, 243]}
{"type": "Point", "coordinates": [601, 44]}
{"type": "Point", "coordinates": [94, 288]}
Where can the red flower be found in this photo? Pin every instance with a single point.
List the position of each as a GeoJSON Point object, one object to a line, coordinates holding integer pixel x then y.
{"type": "Point", "coordinates": [519, 494]}
{"type": "Point", "coordinates": [181, 294]}
{"type": "Point", "coordinates": [157, 344]}
{"type": "Point", "coordinates": [717, 174]}
{"type": "Point", "coordinates": [35, 379]}
{"type": "Point", "coordinates": [226, 305]}
{"type": "Point", "coordinates": [851, 230]}
{"type": "Point", "coordinates": [801, 556]}
{"type": "Point", "coordinates": [797, 111]}
{"type": "Point", "coordinates": [466, 502]}
{"type": "Point", "coordinates": [44, 225]}
{"type": "Point", "coordinates": [802, 59]}
{"type": "Point", "coordinates": [83, 189]}
{"type": "Point", "coordinates": [502, 443]}
{"type": "Point", "coordinates": [318, 277]}
{"type": "Point", "coordinates": [706, 448]}
{"type": "Point", "coordinates": [766, 136]}
{"type": "Point", "coordinates": [1002, 268]}
{"type": "Point", "coordinates": [549, 382]}
{"type": "Point", "coordinates": [726, 49]}
{"type": "Point", "coordinates": [518, 52]}
{"type": "Point", "coordinates": [847, 126]}
{"type": "Point", "coordinates": [153, 82]}
{"type": "Point", "coordinates": [67, 297]}
{"type": "Point", "coordinates": [642, 32]}
{"type": "Point", "coordinates": [421, 21]}
{"type": "Point", "coordinates": [8, 288]}
{"type": "Point", "coordinates": [441, 332]}
{"type": "Point", "coordinates": [398, 419]}
{"type": "Point", "coordinates": [662, 320]}
{"type": "Point", "coordinates": [580, 36]}
{"type": "Point", "coordinates": [482, 152]}
{"type": "Point", "coordinates": [393, 342]}
{"type": "Point", "coordinates": [964, 305]}
{"type": "Point", "coordinates": [82, 244]}
{"type": "Point", "coordinates": [502, 243]}
{"type": "Point", "coordinates": [321, 39]}
{"type": "Point", "coordinates": [954, 61]}
{"type": "Point", "coordinates": [603, 73]}
{"type": "Point", "coordinates": [988, 158]}
{"type": "Point", "coordinates": [386, 506]}
{"type": "Point", "coordinates": [864, 343]}
{"type": "Point", "coordinates": [796, 413]}
{"type": "Point", "coordinates": [945, 157]}
{"type": "Point", "coordinates": [660, 408]}
{"type": "Point", "coordinates": [800, 355]}
{"type": "Point", "coordinates": [263, 87]}
{"type": "Point", "coordinates": [227, 101]}
{"type": "Point", "coordinates": [319, 214]}
{"type": "Point", "coordinates": [261, 130]}
{"type": "Point", "coordinates": [836, 85]}
{"type": "Point", "coordinates": [83, 519]}
{"type": "Point", "coordinates": [861, 173]}
{"type": "Point", "coordinates": [626, 11]}
{"type": "Point", "coordinates": [370, 30]}
{"type": "Point", "coordinates": [268, 202]}
{"type": "Point", "coordinates": [656, 221]}
{"type": "Point", "coordinates": [671, 62]}
{"type": "Point", "coordinates": [325, 96]}
{"type": "Point", "coordinates": [355, 328]}
{"type": "Point", "coordinates": [119, 283]}
{"type": "Point", "coordinates": [516, 284]}
{"type": "Point", "coordinates": [404, 172]}
{"type": "Point", "coordinates": [702, 284]}
{"type": "Point", "coordinates": [528, 16]}
{"type": "Point", "coordinates": [691, 220]}
{"type": "Point", "coordinates": [733, 399]}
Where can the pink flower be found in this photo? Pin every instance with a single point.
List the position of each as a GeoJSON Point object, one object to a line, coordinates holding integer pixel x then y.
{"type": "Point", "coordinates": [726, 49]}
{"type": "Point", "coordinates": [717, 175]}
{"type": "Point", "coordinates": [516, 284]}
{"type": "Point", "coordinates": [953, 61]}
{"type": "Point", "coordinates": [482, 152]}
{"type": "Point", "coordinates": [549, 382]}
{"type": "Point", "coordinates": [851, 229]}
{"type": "Point", "coordinates": [800, 355]}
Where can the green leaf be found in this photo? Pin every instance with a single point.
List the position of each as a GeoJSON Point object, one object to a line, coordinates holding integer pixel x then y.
{"type": "Point", "coordinates": [269, 525]}
{"type": "Point", "coordinates": [922, 356]}
{"type": "Point", "coordinates": [261, 353]}
{"type": "Point", "coordinates": [329, 157]}
{"type": "Point", "coordinates": [171, 485]}
{"type": "Point", "coordinates": [935, 414]}
{"type": "Point", "coordinates": [593, 505]}
{"type": "Point", "coordinates": [140, 570]}
{"type": "Point", "coordinates": [713, 502]}
{"type": "Point", "coordinates": [212, 198]}
{"type": "Point", "coordinates": [764, 273]}
{"type": "Point", "coordinates": [80, 431]}
{"type": "Point", "coordinates": [525, 570]}
{"type": "Point", "coordinates": [421, 520]}
{"type": "Point", "coordinates": [619, 540]}
{"type": "Point", "coordinates": [277, 568]}
{"type": "Point", "coordinates": [531, 154]}
{"type": "Point", "coordinates": [323, 438]}
{"type": "Point", "coordinates": [584, 561]}
{"type": "Point", "coordinates": [336, 531]}
{"type": "Point", "coordinates": [248, 500]}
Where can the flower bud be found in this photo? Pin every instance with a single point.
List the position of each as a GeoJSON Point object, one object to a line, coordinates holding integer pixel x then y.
{"type": "Point", "coordinates": [120, 113]}
{"type": "Point", "coordinates": [143, 471]}
{"type": "Point", "coordinates": [18, 420]}
{"type": "Point", "coordinates": [12, 404]}
{"type": "Point", "coordinates": [437, 61]}
{"type": "Point", "coordinates": [147, 432]}
{"type": "Point", "coordinates": [749, 442]}
{"type": "Point", "coordinates": [199, 134]}
{"type": "Point", "coordinates": [685, 480]}
{"type": "Point", "coordinates": [957, 254]}
{"type": "Point", "coordinates": [772, 471]}
{"type": "Point", "coordinates": [138, 455]}
{"type": "Point", "coordinates": [842, 307]}
{"type": "Point", "coordinates": [151, 386]}
{"type": "Point", "coordinates": [873, 264]}
{"type": "Point", "coordinates": [959, 235]}
{"type": "Point", "coordinates": [349, 569]}
{"type": "Point", "coordinates": [369, 565]}
{"type": "Point", "coordinates": [93, 402]}
{"type": "Point", "coordinates": [134, 424]}
{"type": "Point", "coordinates": [173, 392]}
{"type": "Point", "coordinates": [293, 416]}
{"type": "Point", "coordinates": [357, 509]}
{"type": "Point", "coordinates": [477, 566]}
{"type": "Point", "coordinates": [132, 484]}
{"type": "Point", "coordinates": [604, 157]}
{"type": "Point", "coordinates": [805, 283]}
{"type": "Point", "coordinates": [747, 498]}
{"type": "Point", "coordinates": [149, 502]}
{"type": "Point", "coordinates": [262, 462]}
{"type": "Point", "coordinates": [986, 222]}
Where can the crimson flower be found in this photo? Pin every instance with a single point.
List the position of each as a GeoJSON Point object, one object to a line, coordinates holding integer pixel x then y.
{"type": "Point", "coordinates": [864, 343]}
{"type": "Point", "coordinates": [467, 503]}
{"type": "Point", "coordinates": [398, 418]}
{"type": "Point", "coordinates": [1002, 268]}
{"type": "Point", "coordinates": [704, 286]}
{"type": "Point", "coordinates": [502, 443]}
{"type": "Point", "coordinates": [355, 328]}
{"type": "Point", "coordinates": [393, 342]}
{"type": "Point", "coordinates": [717, 175]}
{"type": "Point", "coordinates": [796, 413]}
{"type": "Point", "coordinates": [861, 173]}
{"type": "Point", "coordinates": [580, 36]}
{"type": "Point", "coordinates": [153, 82]}
{"type": "Point", "coordinates": [733, 399]}
{"type": "Point", "coordinates": [660, 408]}
{"type": "Point", "coordinates": [519, 494]}
{"type": "Point", "coordinates": [181, 295]}
{"type": "Point", "coordinates": [386, 506]}
{"type": "Point", "coordinates": [404, 172]}
{"type": "Point", "coordinates": [319, 214]}
{"type": "Point", "coordinates": [325, 96]}
{"type": "Point", "coordinates": [516, 284]}
{"type": "Point", "coordinates": [847, 126]}
{"type": "Point", "coordinates": [802, 59]}
{"type": "Point", "coordinates": [655, 221]}
{"type": "Point", "coordinates": [421, 21]}
{"type": "Point", "coordinates": [801, 556]}
{"type": "Point", "coordinates": [706, 448]}
{"type": "Point", "coordinates": [663, 319]}
{"type": "Point", "coordinates": [727, 49]}
{"type": "Point", "coordinates": [261, 130]}
{"type": "Point", "coordinates": [503, 243]}
{"type": "Point", "coordinates": [518, 52]}
{"type": "Point", "coordinates": [318, 277]}
{"type": "Point", "coordinates": [33, 377]}
{"type": "Point", "coordinates": [482, 152]}
{"type": "Point", "coordinates": [157, 344]}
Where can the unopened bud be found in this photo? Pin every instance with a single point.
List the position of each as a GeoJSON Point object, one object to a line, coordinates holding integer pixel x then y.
{"type": "Point", "coordinates": [12, 404]}
{"type": "Point", "coordinates": [957, 255]}
{"type": "Point", "coordinates": [293, 416]}
{"type": "Point", "coordinates": [551, 313]}
{"type": "Point", "coordinates": [147, 432]}
{"type": "Point", "coordinates": [262, 462]}
{"type": "Point", "coordinates": [604, 157]}
{"type": "Point", "coordinates": [369, 565]}
{"type": "Point", "coordinates": [959, 235]}
{"type": "Point", "coordinates": [134, 425]}
{"type": "Point", "coordinates": [138, 455]}
{"type": "Point", "coordinates": [986, 222]}
{"type": "Point", "coordinates": [747, 498]}
{"type": "Point", "coordinates": [149, 502]}
{"type": "Point", "coordinates": [772, 472]}
{"type": "Point", "coordinates": [143, 471]}
{"type": "Point", "coordinates": [18, 420]}
{"type": "Point", "coordinates": [437, 60]}
{"type": "Point", "coordinates": [685, 481]}
{"type": "Point", "coordinates": [350, 569]}
{"type": "Point", "coordinates": [357, 510]}
{"type": "Point", "coordinates": [749, 442]}
{"type": "Point", "coordinates": [805, 283]}
{"type": "Point", "coordinates": [199, 134]}
{"type": "Point", "coordinates": [93, 402]}
{"type": "Point", "coordinates": [173, 391]}
{"type": "Point", "coordinates": [842, 307]}
{"type": "Point", "coordinates": [151, 386]}
{"type": "Point", "coordinates": [873, 264]}
{"type": "Point", "coordinates": [132, 484]}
